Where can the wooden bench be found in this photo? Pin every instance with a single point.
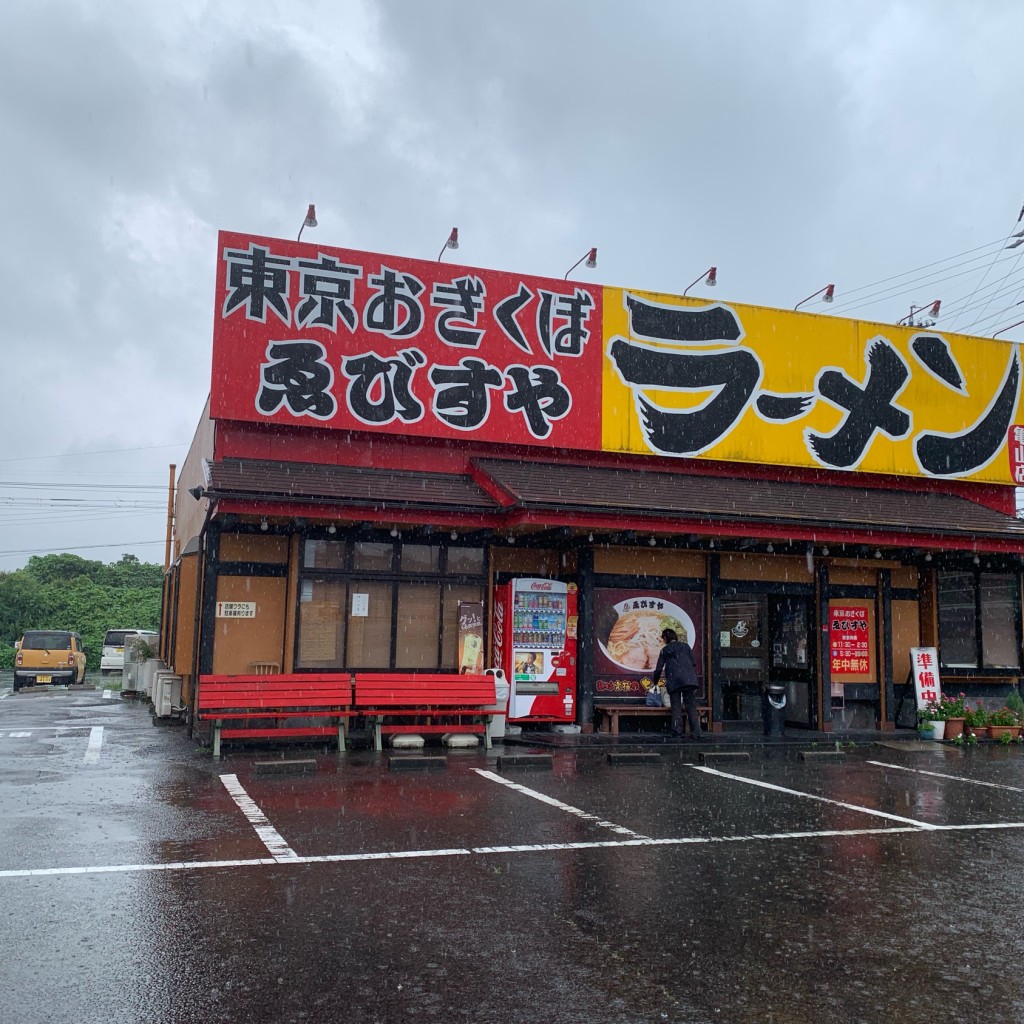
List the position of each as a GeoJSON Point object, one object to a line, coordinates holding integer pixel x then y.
{"type": "Point", "coordinates": [278, 697]}
{"type": "Point", "coordinates": [608, 715]}
{"type": "Point", "coordinates": [438, 702]}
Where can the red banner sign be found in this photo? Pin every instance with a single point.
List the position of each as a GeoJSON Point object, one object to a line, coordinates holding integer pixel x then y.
{"type": "Point", "coordinates": [849, 640]}
{"type": "Point", "coordinates": [324, 337]}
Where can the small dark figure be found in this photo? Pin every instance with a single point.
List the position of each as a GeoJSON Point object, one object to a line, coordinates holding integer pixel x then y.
{"type": "Point", "coordinates": [676, 659]}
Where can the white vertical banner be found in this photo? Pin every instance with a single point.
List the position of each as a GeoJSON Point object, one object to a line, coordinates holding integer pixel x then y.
{"type": "Point", "coordinates": [924, 664]}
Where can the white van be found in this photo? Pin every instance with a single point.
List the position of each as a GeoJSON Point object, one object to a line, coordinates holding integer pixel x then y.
{"type": "Point", "coordinates": [113, 647]}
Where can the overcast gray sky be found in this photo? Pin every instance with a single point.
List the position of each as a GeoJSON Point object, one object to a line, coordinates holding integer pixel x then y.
{"type": "Point", "coordinates": [792, 144]}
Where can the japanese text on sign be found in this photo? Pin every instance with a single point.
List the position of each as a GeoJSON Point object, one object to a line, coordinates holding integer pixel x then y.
{"type": "Point", "coordinates": [924, 664]}
{"type": "Point", "coordinates": [236, 609]}
{"type": "Point", "coordinates": [358, 341]}
{"type": "Point", "coordinates": [849, 641]}
{"type": "Point", "coordinates": [749, 384]}
{"type": "Point", "coordinates": [325, 337]}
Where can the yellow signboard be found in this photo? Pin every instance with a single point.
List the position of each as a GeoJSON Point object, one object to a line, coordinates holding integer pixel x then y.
{"type": "Point", "coordinates": [687, 378]}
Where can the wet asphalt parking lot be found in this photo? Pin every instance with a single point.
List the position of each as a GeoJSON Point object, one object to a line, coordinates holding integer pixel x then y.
{"type": "Point", "coordinates": [140, 881]}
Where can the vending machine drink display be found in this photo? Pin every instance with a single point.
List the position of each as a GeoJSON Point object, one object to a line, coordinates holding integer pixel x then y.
{"type": "Point", "coordinates": [535, 643]}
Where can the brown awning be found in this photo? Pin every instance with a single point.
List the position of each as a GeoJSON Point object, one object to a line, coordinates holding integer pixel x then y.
{"type": "Point", "coordinates": [266, 480]}
{"type": "Point", "coordinates": [583, 491]}
{"type": "Point", "coordinates": [640, 493]}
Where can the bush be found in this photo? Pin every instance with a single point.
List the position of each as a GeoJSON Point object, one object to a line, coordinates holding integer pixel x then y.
{"type": "Point", "coordinates": [85, 597]}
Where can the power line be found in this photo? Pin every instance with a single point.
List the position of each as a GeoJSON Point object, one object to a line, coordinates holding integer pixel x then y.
{"type": "Point", "coordinates": [963, 305]}
{"type": "Point", "coordinates": [1009, 235]}
{"type": "Point", "coordinates": [906, 288]}
{"type": "Point", "coordinates": [108, 451]}
{"type": "Point", "coordinates": [83, 487]}
{"type": "Point", "coordinates": [83, 547]}
{"type": "Point", "coordinates": [896, 277]}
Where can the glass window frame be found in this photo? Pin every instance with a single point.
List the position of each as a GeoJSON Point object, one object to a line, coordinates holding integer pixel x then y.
{"type": "Point", "coordinates": [395, 576]}
{"type": "Point", "coordinates": [976, 575]}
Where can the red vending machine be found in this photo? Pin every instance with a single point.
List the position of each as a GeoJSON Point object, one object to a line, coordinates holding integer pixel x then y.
{"type": "Point", "coordinates": [534, 638]}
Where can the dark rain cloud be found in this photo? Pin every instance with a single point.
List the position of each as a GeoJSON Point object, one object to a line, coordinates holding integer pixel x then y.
{"type": "Point", "coordinates": [791, 144]}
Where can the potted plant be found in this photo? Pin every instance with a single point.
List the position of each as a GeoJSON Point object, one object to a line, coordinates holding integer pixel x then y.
{"type": "Point", "coordinates": [976, 721]}
{"type": "Point", "coordinates": [932, 724]}
{"type": "Point", "coordinates": [954, 712]}
{"type": "Point", "coordinates": [1016, 704]}
{"type": "Point", "coordinates": [1002, 722]}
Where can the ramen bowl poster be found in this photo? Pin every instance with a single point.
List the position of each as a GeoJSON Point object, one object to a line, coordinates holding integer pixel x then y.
{"type": "Point", "coordinates": [629, 625]}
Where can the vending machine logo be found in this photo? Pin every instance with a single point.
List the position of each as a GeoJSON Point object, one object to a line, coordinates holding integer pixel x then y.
{"type": "Point", "coordinates": [545, 585]}
{"type": "Point", "coordinates": [499, 631]}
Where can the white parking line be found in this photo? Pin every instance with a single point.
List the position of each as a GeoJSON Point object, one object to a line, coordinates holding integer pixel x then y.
{"type": "Point", "coordinates": [18, 735]}
{"type": "Point", "coordinates": [107, 694]}
{"type": "Point", "coordinates": [814, 796]}
{"type": "Point", "coordinates": [272, 839]}
{"type": "Point", "coordinates": [340, 858]}
{"type": "Point", "coordinates": [92, 751]}
{"type": "Point", "coordinates": [568, 808]}
{"type": "Point", "coordinates": [942, 775]}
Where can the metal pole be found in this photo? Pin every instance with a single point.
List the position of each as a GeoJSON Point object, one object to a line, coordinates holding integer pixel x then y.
{"type": "Point", "coordinates": [170, 518]}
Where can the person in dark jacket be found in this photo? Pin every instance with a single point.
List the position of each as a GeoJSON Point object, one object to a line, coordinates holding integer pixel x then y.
{"type": "Point", "coordinates": [676, 660]}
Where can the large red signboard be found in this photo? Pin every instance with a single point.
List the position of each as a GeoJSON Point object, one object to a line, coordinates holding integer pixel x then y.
{"type": "Point", "coordinates": [317, 336]}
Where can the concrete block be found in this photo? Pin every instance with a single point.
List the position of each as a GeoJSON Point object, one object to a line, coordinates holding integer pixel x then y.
{"type": "Point", "coordinates": [821, 755]}
{"type": "Point", "coordinates": [525, 761]}
{"type": "Point", "coordinates": [723, 756]}
{"type": "Point", "coordinates": [413, 763]}
{"type": "Point", "coordinates": [623, 759]}
{"type": "Point", "coordinates": [296, 767]}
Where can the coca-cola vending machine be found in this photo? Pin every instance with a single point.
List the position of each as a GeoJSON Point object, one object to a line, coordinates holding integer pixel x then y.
{"type": "Point", "coordinates": [534, 641]}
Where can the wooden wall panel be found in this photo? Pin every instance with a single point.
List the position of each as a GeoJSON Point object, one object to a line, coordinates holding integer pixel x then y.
{"type": "Point", "coordinates": [650, 562]}
{"type": "Point", "coordinates": [239, 643]}
{"type": "Point", "coordinates": [906, 633]}
{"type": "Point", "coordinates": [253, 547]}
{"type": "Point", "coordinates": [772, 568]}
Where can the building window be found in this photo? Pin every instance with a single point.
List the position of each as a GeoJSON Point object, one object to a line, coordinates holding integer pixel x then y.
{"type": "Point", "coordinates": [979, 620]}
{"type": "Point", "coordinates": [384, 605]}
{"type": "Point", "coordinates": [416, 628]}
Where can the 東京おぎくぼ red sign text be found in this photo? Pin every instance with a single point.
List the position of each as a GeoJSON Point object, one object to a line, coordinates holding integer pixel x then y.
{"type": "Point", "coordinates": [319, 336]}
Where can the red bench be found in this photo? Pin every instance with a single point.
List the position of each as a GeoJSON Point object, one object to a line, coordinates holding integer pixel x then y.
{"type": "Point", "coordinates": [438, 702]}
{"type": "Point", "coordinates": [277, 697]}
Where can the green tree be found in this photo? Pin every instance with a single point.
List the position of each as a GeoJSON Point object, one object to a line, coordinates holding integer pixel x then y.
{"type": "Point", "coordinates": [87, 597]}
{"type": "Point", "coordinates": [22, 604]}
{"type": "Point", "coordinates": [61, 568]}
{"type": "Point", "coordinates": [130, 572]}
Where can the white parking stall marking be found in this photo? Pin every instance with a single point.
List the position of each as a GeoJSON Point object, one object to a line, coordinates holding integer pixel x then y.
{"type": "Point", "coordinates": [272, 839]}
{"type": "Point", "coordinates": [551, 801]}
{"type": "Point", "coordinates": [92, 751]}
{"type": "Point", "coordinates": [606, 844]}
{"type": "Point", "coordinates": [107, 694]}
{"type": "Point", "coordinates": [18, 735]}
{"type": "Point", "coordinates": [814, 796]}
{"type": "Point", "coordinates": [943, 775]}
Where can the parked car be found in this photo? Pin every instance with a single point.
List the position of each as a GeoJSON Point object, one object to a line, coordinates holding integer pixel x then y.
{"type": "Point", "coordinates": [49, 656]}
{"type": "Point", "coordinates": [112, 659]}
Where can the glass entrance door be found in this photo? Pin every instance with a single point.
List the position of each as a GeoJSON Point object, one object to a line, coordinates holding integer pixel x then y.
{"type": "Point", "coordinates": [792, 658]}
{"type": "Point", "coordinates": [743, 658]}
{"type": "Point", "coordinates": [766, 638]}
